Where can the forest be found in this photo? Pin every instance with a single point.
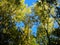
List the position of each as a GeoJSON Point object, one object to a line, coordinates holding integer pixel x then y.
{"type": "Point", "coordinates": [44, 14]}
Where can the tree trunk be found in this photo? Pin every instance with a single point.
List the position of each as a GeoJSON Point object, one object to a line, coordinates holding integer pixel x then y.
{"type": "Point", "coordinates": [48, 37]}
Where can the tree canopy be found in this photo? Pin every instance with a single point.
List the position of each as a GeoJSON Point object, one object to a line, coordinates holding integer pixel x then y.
{"type": "Point", "coordinates": [44, 12]}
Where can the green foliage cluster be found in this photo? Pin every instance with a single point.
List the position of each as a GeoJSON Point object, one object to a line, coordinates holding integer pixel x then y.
{"type": "Point", "coordinates": [45, 9]}
{"type": "Point", "coordinates": [12, 11]}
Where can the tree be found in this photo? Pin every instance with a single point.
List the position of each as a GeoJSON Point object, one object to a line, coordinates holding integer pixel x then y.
{"type": "Point", "coordinates": [11, 11]}
{"type": "Point", "coordinates": [55, 34]}
{"type": "Point", "coordinates": [45, 10]}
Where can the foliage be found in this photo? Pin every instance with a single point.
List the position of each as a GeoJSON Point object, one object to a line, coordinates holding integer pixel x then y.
{"type": "Point", "coordinates": [16, 8]}
{"type": "Point", "coordinates": [12, 11]}
{"type": "Point", "coordinates": [45, 10]}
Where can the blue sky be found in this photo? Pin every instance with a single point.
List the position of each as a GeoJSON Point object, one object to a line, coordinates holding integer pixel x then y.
{"type": "Point", "coordinates": [30, 2]}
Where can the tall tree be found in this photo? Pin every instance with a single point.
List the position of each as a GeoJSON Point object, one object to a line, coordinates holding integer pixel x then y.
{"type": "Point", "coordinates": [11, 11]}
{"type": "Point", "coordinates": [44, 9]}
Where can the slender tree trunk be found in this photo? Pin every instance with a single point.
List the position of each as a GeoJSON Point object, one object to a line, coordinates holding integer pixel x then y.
{"type": "Point", "coordinates": [48, 37]}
